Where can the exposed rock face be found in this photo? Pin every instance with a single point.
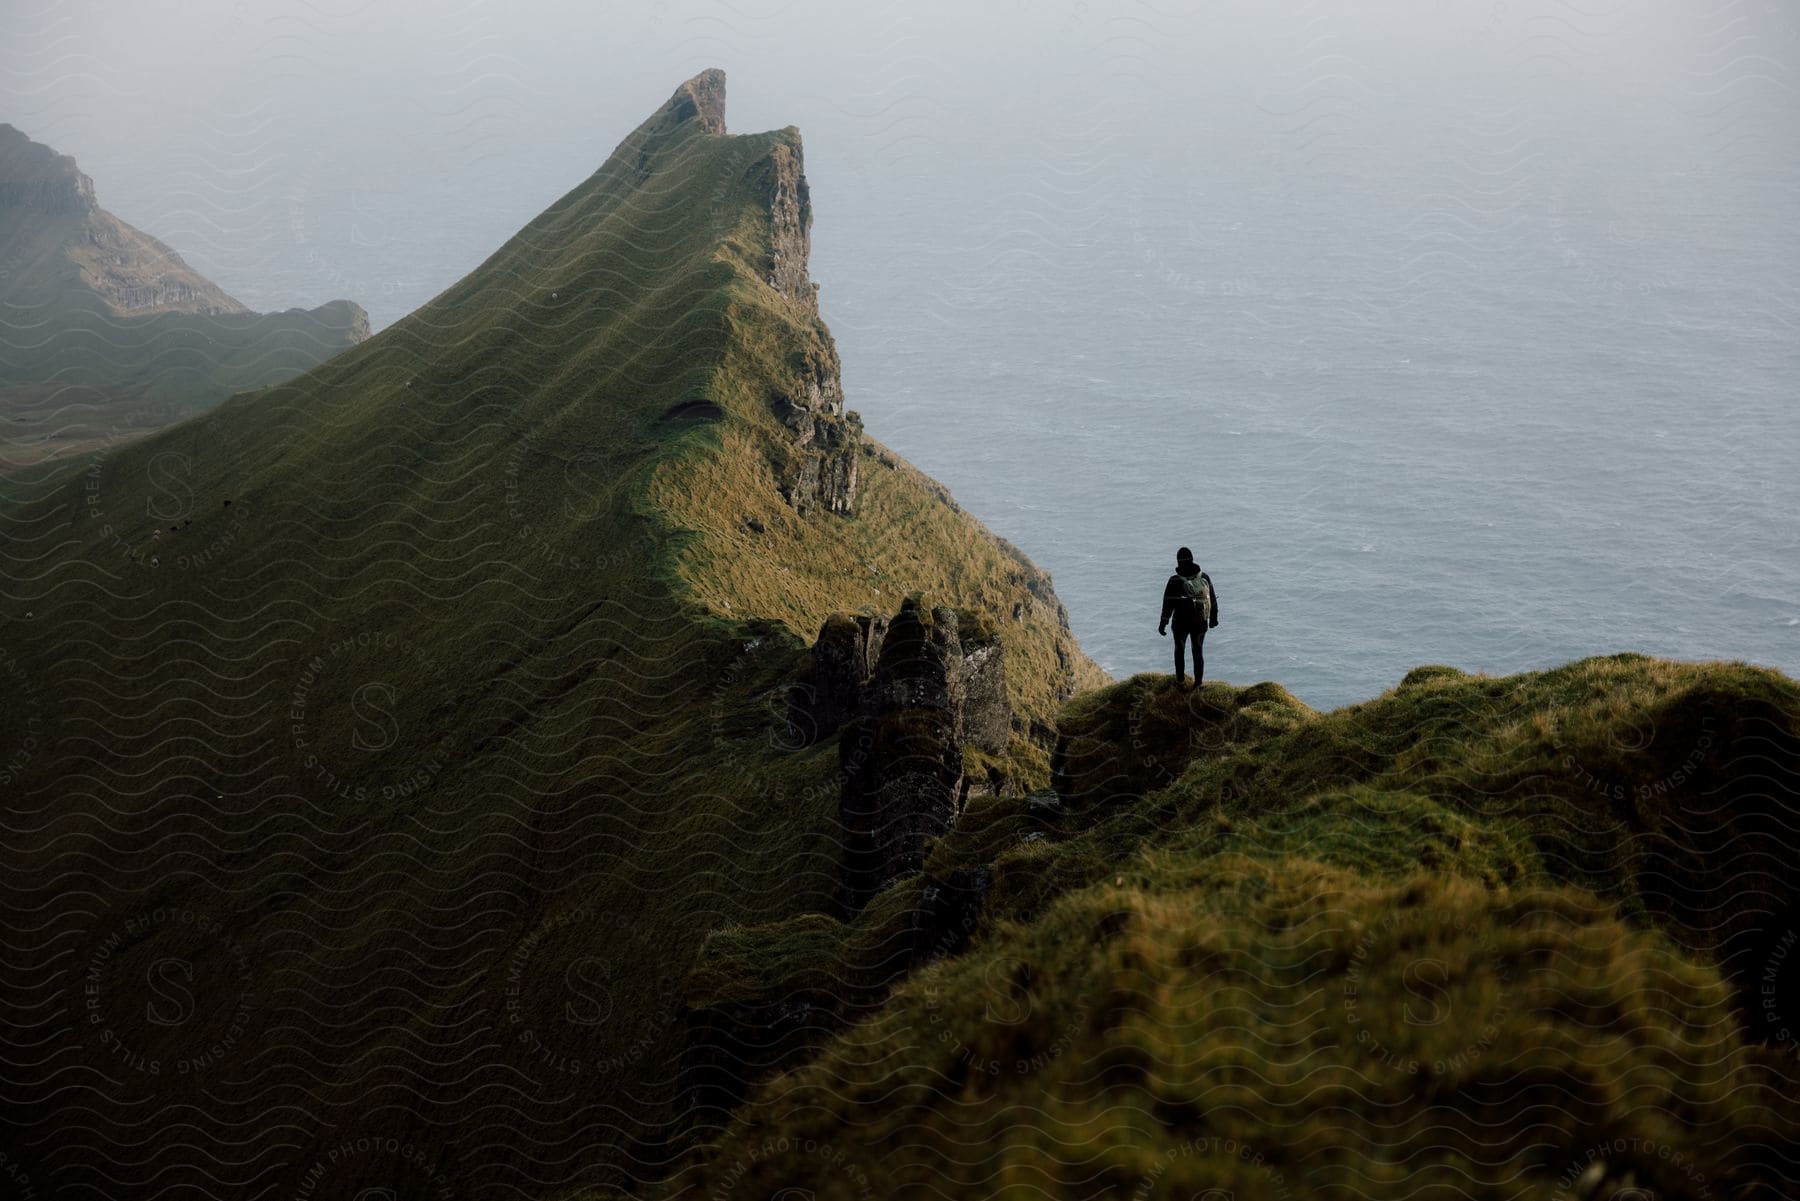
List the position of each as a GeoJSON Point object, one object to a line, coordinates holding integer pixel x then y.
{"type": "Point", "coordinates": [354, 320]}
{"type": "Point", "coordinates": [700, 100]}
{"type": "Point", "coordinates": [987, 716]}
{"type": "Point", "coordinates": [830, 689]}
{"type": "Point", "coordinates": [827, 439]}
{"type": "Point", "coordinates": [816, 397]}
{"type": "Point", "coordinates": [823, 473]}
{"type": "Point", "coordinates": [936, 687]}
{"type": "Point", "coordinates": [790, 216]}
{"type": "Point", "coordinates": [905, 696]}
{"type": "Point", "coordinates": [135, 273]}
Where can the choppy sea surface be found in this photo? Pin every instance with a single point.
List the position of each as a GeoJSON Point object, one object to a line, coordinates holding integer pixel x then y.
{"type": "Point", "coordinates": [1461, 334]}
{"type": "Point", "coordinates": [1395, 430]}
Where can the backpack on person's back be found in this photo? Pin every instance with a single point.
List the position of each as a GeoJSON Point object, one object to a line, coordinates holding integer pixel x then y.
{"type": "Point", "coordinates": [1197, 598]}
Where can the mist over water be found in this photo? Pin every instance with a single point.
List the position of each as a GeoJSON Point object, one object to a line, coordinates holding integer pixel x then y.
{"type": "Point", "coordinates": [1442, 333]}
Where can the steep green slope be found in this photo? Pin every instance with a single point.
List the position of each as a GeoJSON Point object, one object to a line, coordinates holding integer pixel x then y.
{"type": "Point", "coordinates": [1521, 937]}
{"type": "Point", "coordinates": [106, 334]}
{"type": "Point", "coordinates": [387, 741]}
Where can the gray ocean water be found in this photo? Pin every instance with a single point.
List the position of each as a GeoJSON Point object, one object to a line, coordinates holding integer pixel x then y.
{"type": "Point", "coordinates": [1395, 430]}
{"type": "Point", "coordinates": [1442, 334]}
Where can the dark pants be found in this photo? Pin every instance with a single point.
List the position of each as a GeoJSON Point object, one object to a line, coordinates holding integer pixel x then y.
{"type": "Point", "coordinates": [1182, 633]}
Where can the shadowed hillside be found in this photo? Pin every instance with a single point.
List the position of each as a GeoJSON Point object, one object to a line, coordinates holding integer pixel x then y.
{"type": "Point", "coordinates": [390, 738]}
{"type": "Point", "coordinates": [106, 334]}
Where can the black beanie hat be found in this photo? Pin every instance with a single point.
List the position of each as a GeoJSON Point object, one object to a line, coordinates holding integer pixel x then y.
{"type": "Point", "coordinates": [1184, 555]}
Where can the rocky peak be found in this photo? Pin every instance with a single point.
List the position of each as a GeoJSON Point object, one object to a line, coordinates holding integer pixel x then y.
{"type": "Point", "coordinates": [701, 99]}
{"type": "Point", "coordinates": [819, 467]}
{"type": "Point", "coordinates": [34, 176]}
{"type": "Point", "coordinates": [698, 103]}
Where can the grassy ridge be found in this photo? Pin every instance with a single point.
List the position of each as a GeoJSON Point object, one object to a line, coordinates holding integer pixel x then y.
{"type": "Point", "coordinates": [1471, 938]}
{"type": "Point", "coordinates": [439, 680]}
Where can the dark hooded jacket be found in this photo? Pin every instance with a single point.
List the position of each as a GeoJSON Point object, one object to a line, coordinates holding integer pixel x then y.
{"type": "Point", "coordinates": [1172, 594]}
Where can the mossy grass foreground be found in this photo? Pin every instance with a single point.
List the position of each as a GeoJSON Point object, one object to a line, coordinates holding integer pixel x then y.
{"type": "Point", "coordinates": [1478, 937]}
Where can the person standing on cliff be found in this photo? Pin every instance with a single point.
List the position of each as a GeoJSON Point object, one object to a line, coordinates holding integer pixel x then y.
{"type": "Point", "coordinates": [1189, 599]}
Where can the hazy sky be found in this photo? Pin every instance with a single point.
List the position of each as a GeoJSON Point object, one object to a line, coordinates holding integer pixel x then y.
{"type": "Point", "coordinates": [298, 150]}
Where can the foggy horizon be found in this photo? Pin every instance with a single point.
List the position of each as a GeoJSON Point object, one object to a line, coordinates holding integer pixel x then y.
{"type": "Point", "coordinates": [239, 135]}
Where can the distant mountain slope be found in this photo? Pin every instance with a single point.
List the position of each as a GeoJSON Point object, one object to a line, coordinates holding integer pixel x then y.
{"type": "Point", "coordinates": [57, 236]}
{"type": "Point", "coordinates": [106, 333]}
{"type": "Point", "coordinates": [416, 719]}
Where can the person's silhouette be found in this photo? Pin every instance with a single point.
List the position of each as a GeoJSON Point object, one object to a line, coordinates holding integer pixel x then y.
{"type": "Point", "coordinates": [1188, 599]}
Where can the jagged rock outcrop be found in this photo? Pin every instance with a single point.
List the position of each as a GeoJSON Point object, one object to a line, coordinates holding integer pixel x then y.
{"type": "Point", "coordinates": [938, 685]}
{"type": "Point", "coordinates": [822, 469]}
{"type": "Point", "coordinates": [783, 176]}
{"type": "Point", "coordinates": [822, 472]}
{"type": "Point", "coordinates": [834, 676]}
{"type": "Point", "coordinates": [905, 696]}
